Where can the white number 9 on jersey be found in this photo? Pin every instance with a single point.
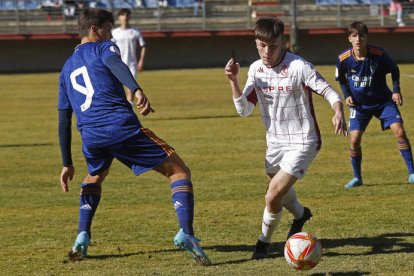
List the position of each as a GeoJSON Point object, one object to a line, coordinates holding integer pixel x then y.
{"type": "Point", "coordinates": [88, 90]}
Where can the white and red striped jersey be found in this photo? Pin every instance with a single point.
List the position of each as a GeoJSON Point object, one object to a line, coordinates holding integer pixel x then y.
{"type": "Point", "coordinates": [284, 95]}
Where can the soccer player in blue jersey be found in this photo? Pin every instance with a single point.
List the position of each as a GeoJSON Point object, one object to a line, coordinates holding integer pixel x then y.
{"type": "Point", "coordinates": [91, 86]}
{"type": "Point", "coordinates": [361, 72]}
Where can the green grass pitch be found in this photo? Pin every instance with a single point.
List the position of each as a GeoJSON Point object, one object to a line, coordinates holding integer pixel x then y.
{"type": "Point", "coordinates": [367, 230]}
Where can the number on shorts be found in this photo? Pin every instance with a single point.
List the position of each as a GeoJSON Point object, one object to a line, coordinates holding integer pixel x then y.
{"type": "Point", "coordinates": [88, 91]}
{"type": "Point", "coordinates": [352, 113]}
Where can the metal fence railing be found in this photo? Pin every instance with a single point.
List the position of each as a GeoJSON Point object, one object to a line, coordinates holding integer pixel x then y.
{"type": "Point", "coordinates": [33, 16]}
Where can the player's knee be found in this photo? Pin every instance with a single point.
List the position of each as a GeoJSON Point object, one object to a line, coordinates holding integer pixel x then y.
{"type": "Point", "coordinates": [355, 143]}
{"type": "Point", "coordinates": [187, 171]}
{"type": "Point", "coordinates": [96, 179]}
{"type": "Point", "coordinates": [91, 189]}
{"type": "Point", "coordinates": [355, 139]}
{"type": "Point", "coordinates": [273, 197]}
{"type": "Point", "coordinates": [180, 172]}
{"type": "Point", "coordinates": [93, 179]}
{"type": "Point", "coordinates": [177, 170]}
{"type": "Point", "coordinates": [399, 133]}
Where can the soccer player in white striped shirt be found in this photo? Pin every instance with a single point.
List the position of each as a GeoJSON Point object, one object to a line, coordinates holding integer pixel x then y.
{"type": "Point", "coordinates": [282, 84]}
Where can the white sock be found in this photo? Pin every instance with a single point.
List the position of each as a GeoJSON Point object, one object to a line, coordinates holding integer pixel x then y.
{"type": "Point", "coordinates": [269, 224]}
{"type": "Point", "coordinates": [291, 203]}
{"type": "Point", "coordinates": [399, 16]}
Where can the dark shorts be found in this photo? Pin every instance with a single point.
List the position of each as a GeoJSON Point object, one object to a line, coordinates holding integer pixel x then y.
{"type": "Point", "coordinates": [142, 152]}
{"type": "Point", "coordinates": [388, 115]}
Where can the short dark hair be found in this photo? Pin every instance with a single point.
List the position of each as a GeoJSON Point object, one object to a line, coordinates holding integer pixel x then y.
{"type": "Point", "coordinates": [93, 17]}
{"type": "Point", "coordinates": [269, 28]}
{"type": "Point", "coordinates": [357, 27]}
{"type": "Point", "coordinates": [124, 11]}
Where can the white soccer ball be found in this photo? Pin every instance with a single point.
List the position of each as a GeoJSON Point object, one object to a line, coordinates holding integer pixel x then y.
{"type": "Point", "coordinates": [303, 251]}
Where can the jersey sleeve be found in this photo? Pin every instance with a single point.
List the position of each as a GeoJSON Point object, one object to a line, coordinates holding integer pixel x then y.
{"type": "Point", "coordinates": [315, 81]}
{"type": "Point", "coordinates": [108, 49]}
{"type": "Point", "coordinates": [247, 101]}
{"type": "Point", "coordinates": [392, 67]}
{"type": "Point", "coordinates": [111, 58]}
{"type": "Point", "coordinates": [65, 136]}
{"type": "Point", "coordinates": [122, 72]}
{"type": "Point", "coordinates": [340, 77]}
{"type": "Point", "coordinates": [63, 100]}
{"type": "Point", "coordinates": [140, 38]}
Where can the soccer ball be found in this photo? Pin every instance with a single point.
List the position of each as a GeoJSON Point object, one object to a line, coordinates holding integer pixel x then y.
{"type": "Point", "coordinates": [303, 251]}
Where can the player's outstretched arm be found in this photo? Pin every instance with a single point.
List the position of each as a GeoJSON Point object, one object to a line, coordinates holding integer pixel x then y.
{"type": "Point", "coordinates": [338, 120]}
{"type": "Point", "coordinates": [65, 176]}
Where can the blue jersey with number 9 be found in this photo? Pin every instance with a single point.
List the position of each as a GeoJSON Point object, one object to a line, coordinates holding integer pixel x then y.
{"type": "Point", "coordinates": [87, 86]}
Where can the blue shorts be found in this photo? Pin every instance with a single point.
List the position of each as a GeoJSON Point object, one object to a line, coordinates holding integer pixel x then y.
{"type": "Point", "coordinates": [359, 119]}
{"type": "Point", "coordinates": [142, 152]}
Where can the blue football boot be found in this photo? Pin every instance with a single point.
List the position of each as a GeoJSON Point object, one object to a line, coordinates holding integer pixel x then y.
{"type": "Point", "coordinates": [191, 244]}
{"type": "Point", "coordinates": [411, 178]}
{"type": "Point", "coordinates": [80, 247]}
{"type": "Point", "coordinates": [355, 182]}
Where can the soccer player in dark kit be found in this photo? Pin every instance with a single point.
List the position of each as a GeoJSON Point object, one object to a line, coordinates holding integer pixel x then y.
{"type": "Point", "coordinates": [91, 86]}
{"type": "Point", "coordinates": [361, 72]}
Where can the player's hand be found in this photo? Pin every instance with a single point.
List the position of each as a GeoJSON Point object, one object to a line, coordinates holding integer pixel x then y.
{"type": "Point", "coordinates": [349, 101]}
{"type": "Point", "coordinates": [65, 176]}
{"type": "Point", "coordinates": [140, 66]}
{"type": "Point", "coordinates": [143, 103]}
{"type": "Point", "coordinates": [131, 97]}
{"type": "Point", "coordinates": [397, 98]}
{"type": "Point", "coordinates": [231, 70]}
{"type": "Point", "coordinates": [338, 120]}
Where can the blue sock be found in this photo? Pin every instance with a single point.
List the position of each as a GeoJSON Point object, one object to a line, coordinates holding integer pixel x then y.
{"type": "Point", "coordinates": [356, 160]}
{"type": "Point", "coordinates": [405, 150]}
{"type": "Point", "coordinates": [183, 200]}
{"type": "Point", "coordinates": [89, 200]}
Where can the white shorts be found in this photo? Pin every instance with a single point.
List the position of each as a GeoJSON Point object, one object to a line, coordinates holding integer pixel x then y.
{"type": "Point", "coordinates": [294, 161]}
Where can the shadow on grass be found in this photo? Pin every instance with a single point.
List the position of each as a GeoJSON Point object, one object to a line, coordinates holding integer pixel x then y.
{"type": "Point", "coordinates": [26, 145]}
{"type": "Point", "coordinates": [350, 273]}
{"type": "Point", "coordinates": [384, 244]}
{"type": "Point", "coordinates": [391, 243]}
{"type": "Point", "coordinates": [125, 255]}
{"type": "Point", "coordinates": [276, 251]}
{"type": "Point", "coordinates": [198, 117]}
{"type": "Point", "coordinates": [376, 184]}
